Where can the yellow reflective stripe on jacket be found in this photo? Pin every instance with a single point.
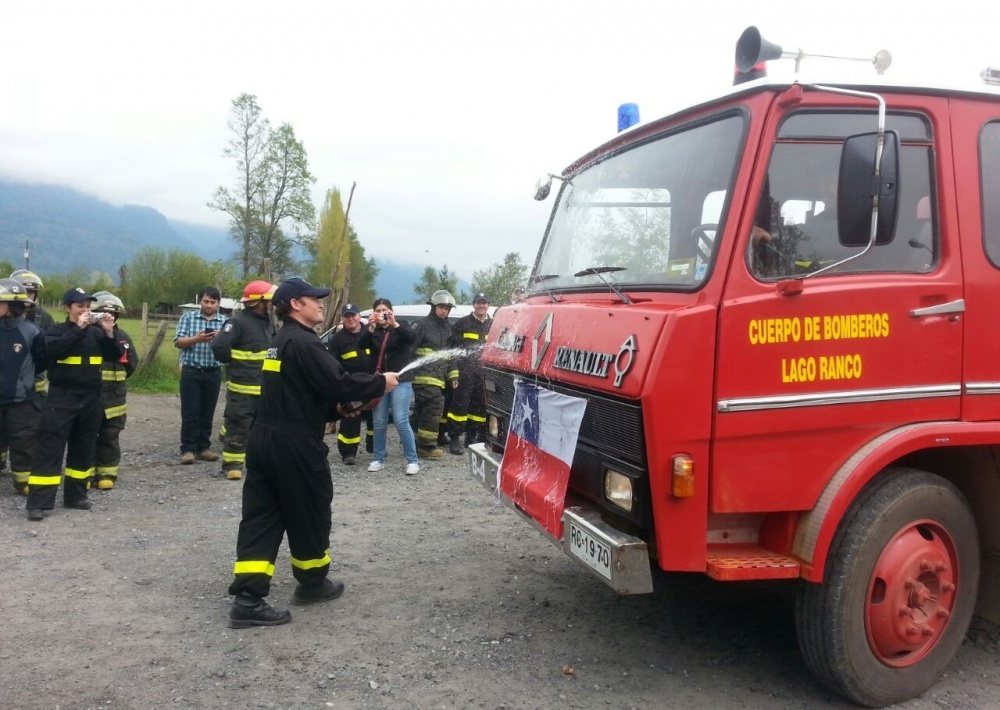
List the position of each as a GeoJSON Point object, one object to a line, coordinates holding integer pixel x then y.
{"type": "Point", "coordinates": [470, 336]}
{"type": "Point", "coordinates": [312, 564]}
{"type": "Point", "coordinates": [110, 471]}
{"type": "Point", "coordinates": [423, 351]}
{"type": "Point", "coordinates": [427, 380]}
{"type": "Point", "coordinates": [476, 418]}
{"type": "Point", "coordinates": [40, 385]}
{"type": "Point", "coordinates": [77, 360]}
{"type": "Point", "coordinates": [254, 567]}
{"type": "Point", "coordinates": [78, 474]}
{"type": "Point", "coordinates": [113, 375]}
{"type": "Point", "coordinates": [249, 354]}
{"type": "Point", "coordinates": [272, 365]}
{"type": "Point", "coordinates": [230, 457]}
{"type": "Point", "coordinates": [243, 389]}
{"type": "Point", "coordinates": [349, 439]}
{"type": "Point", "coordinates": [112, 412]}
{"type": "Point", "coordinates": [458, 417]}
{"type": "Point", "coordinates": [452, 374]}
{"type": "Point", "coordinates": [44, 480]}
{"type": "Point", "coordinates": [348, 355]}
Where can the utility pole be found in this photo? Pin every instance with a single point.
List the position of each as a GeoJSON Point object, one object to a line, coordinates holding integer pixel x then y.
{"type": "Point", "coordinates": [27, 256]}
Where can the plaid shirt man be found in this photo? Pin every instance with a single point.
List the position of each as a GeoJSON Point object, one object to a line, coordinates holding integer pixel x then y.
{"type": "Point", "coordinates": [199, 354]}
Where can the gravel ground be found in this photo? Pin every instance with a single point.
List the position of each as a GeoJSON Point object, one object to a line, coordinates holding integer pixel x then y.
{"type": "Point", "coordinates": [451, 602]}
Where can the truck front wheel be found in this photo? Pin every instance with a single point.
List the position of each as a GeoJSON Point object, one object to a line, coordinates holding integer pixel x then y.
{"type": "Point", "coordinates": [898, 591]}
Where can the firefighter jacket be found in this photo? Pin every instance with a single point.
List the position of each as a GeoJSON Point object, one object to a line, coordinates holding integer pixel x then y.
{"type": "Point", "coordinates": [300, 380]}
{"type": "Point", "coordinates": [398, 350]}
{"type": "Point", "coordinates": [114, 373]}
{"type": "Point", "coordinates": [468, 333]}
{"type": "Point", "coordinates": [75, 355]}
{"type": "Point", "coordinates": [22, 356]}
{"type": "Point", "coordinates": [243, 344]}
{"type": "Point", "coordinates": [43, 321]}
{"type": "Point", "coordinates": [432, 335]}
{"type": "Point", "coordinates": [347, 348]}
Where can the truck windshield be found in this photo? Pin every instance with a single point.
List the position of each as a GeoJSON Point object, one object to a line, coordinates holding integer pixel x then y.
{"type": "Point", "coordinates": [652, 211]}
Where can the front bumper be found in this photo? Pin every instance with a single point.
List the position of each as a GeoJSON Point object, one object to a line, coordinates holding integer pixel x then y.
{"type": "Point", "coordinates": [619, 560]}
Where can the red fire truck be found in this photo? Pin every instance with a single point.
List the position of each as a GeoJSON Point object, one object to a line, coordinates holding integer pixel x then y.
{"type": "Point", "coordinates": [777, 310]}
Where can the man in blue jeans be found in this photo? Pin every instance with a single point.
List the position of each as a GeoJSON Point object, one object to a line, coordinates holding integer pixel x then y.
{"type": "Point", "coordinates": [201, 376]}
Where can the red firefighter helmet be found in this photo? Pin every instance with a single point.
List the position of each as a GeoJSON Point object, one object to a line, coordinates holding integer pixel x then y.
{"type": "Point", "coordinates": [258, 291]}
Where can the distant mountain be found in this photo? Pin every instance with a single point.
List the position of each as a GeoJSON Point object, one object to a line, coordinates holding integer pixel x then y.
{"type": "Point", "coordinates": [67, 229]}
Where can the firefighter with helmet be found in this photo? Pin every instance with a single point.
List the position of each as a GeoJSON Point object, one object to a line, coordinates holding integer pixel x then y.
{"type": "Point", "coordinates": [432, 335]}
{"type": "Point", "coordinates": [34, 313]}
{"type": "Point", "coordinates": [22, 355]}
{"type": "Point", "coordinates": [467, 409]}
{"type": "Point", "coordinates": [114, 391]}
{"type": "Point", "coordinates": [242, 344]}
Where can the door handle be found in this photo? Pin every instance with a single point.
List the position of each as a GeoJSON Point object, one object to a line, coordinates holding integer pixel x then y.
{"type": "Point", "coordinates": [940, 309]}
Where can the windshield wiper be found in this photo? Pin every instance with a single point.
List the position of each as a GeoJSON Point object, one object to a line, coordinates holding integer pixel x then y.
{"type": "Point", "coordinates": [545, 277]}
{"type": "Point", "coordinates": [597, 271]}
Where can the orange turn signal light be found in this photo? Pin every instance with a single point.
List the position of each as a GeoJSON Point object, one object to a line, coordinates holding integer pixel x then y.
{"type": "Point", "coordinates": [682, 480]}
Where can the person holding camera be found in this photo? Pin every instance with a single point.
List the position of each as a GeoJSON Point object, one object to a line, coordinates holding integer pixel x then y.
{"type": "Point", "coordinates": [201, 376]}
{"type": "Point", "coordinates": [394, 339]}
{"type": "Point", "coordinates": [71, 417]}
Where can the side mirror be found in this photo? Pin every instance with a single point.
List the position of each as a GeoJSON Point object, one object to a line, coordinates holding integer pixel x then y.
{"type": "Point", "coordinates": [542, 187]}
{"type": "Point", "coordinates": [859, 185]}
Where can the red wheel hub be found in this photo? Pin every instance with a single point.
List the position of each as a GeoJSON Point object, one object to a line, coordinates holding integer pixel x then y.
{"type": "Point", "coordinates": [911, 594]}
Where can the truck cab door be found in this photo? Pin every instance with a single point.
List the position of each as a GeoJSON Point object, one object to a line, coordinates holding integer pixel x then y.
{"type": "Point", "coordinates": [810, 369]}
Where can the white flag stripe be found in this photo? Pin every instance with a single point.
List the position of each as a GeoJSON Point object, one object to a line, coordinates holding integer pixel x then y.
{"type": "Point", "coordinates": [559, 419]}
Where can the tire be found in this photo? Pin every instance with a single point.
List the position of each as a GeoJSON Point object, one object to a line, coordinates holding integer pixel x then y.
{"type": "Point", "coordinates": [898, 592]}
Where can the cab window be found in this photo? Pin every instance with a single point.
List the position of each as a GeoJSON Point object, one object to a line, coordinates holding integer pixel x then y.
{"type": "Point", "coordinates": [796, 230]}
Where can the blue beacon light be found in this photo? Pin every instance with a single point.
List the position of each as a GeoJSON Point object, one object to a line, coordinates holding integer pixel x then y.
{"type": "Point", "coordinates": [628, 115]}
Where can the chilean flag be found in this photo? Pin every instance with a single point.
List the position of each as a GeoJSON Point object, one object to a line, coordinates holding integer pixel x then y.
{"type": "Point", "coordinates": [541, 441]}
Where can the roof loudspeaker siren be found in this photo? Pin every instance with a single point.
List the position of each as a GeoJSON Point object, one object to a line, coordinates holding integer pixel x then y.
{"type": "Point", "coordinates": [752, 49]}
{"type": "Point", "coordinates": [628, 115]}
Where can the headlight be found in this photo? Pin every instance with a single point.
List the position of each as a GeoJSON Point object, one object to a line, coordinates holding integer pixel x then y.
{"type": "Point", "coordinates": [618, 489]}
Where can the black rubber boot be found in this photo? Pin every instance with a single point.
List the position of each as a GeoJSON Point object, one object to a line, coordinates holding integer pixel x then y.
{"type": "Point", "coordinates": [82, 504]}
{"type": "Point", "coordinates": [248, 610]}
{"type": "Point", "coordinates": [455, 447]}
{"type": "Point", "coordinates": [35, 514]}
{"type": "Point", "coordinates": [329, 589]}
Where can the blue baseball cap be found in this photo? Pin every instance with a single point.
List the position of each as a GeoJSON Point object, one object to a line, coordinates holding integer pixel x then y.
{"type": "Point", "coordinates": [297, 288]}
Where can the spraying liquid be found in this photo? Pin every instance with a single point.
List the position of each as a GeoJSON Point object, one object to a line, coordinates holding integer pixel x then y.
{"type": "Point", "coordinates": [449, 354]}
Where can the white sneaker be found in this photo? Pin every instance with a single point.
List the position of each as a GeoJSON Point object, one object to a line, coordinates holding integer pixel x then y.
{"type": "Point", "coordinates": [375, 466]}
{"type": "Point", "coordinates": [412, 469]}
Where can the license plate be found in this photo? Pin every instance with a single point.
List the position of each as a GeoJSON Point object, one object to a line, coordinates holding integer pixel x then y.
{"type": "Point", "coordinates": [589, 550]}
{"type": "Point", "coordinates": [482, 467]}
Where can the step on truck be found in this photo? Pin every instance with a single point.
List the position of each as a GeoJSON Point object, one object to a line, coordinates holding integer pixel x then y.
{"type": "Point", "coordinates": [760, 341]}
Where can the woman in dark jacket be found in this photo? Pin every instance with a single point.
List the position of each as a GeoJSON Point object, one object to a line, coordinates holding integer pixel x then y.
{"type": "Point", "coordinates": [398, 339]}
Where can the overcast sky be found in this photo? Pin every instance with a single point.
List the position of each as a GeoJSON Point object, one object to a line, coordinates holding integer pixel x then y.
{"type": "Point", "coordinates": [444, 113]}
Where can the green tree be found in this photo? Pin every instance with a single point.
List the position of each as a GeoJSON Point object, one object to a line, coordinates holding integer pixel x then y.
{"type": "Point", "coordinates": [168, 278]}
{"type": "Point", "coordinates": [269, 206]}
{"type": "Point", "coordinates": [6, 268]}
{"type": "Point", "coordinates": [499, 280]}
{"type": "Point", "coordinates": [431, 281]}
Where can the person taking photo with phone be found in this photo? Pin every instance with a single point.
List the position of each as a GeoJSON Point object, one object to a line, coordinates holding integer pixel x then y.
{"type": "Point", "coordinates": [201, 375]}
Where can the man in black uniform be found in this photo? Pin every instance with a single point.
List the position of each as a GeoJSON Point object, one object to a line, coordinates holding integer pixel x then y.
{"type": "Point", "coordinates": [72, 414]}
{"type": "Point", "coordinates": [467, 410]}
{"type": "Point", "coordinates": [22, 354]}
{"type": "Point", "coordinates": [432, 335]}
{"type": "Point", "coordinates": [114, 393]}
{"type": "Point", "coordinates": [32, 284]}
{"type": "Point", "coordinates": [243, 344]}
{"type": "Point", "coordinates": [345, 346]}
{"type": "Point", "coordinates": [288, 485]}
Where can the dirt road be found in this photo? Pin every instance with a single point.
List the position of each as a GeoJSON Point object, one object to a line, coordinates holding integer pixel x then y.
{"type": "Point", "coordinates": [451, 602]}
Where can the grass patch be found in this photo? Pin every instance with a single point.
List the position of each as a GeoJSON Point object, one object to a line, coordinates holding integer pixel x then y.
{"type": "Point", "coordinates": [161, 376]}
